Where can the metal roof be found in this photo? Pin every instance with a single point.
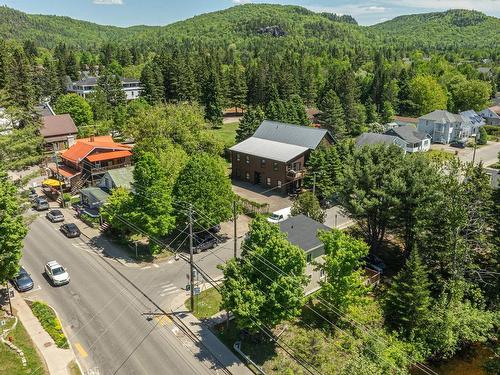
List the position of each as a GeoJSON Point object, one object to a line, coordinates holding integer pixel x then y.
{"type": "Point", "coordinates": [122, 177]}
{"type": "Point", "coordinates": [269, 149]}
{"type": "Point", "coordinates": [488, 113]}
{"type": "Point", "coordinates": [407, 133]}
{"type": "Point", "coordinates": [442, 117]}
{"type": "Point", "coordinates": [376, 138]}
{"type": "Point", "coordinates": [304, 136]}
{"type": "Point", "coordinates": [96, 193]}
{"type": "Point", "coordinates": [303, 231]}
{"type": "Point", "coordinates": [472, 116]}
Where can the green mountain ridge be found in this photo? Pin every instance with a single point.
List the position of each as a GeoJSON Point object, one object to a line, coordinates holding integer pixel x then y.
{"type": "Point", "coordinates": [453, 29]}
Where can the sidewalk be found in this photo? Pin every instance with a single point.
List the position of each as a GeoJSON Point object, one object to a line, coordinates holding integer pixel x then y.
{"type": "Point", "coordinates": [57, 360]}
{"type": "Point", "coordinates": [220, 351]}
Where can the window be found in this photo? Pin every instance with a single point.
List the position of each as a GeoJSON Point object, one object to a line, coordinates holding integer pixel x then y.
{"type": "Point", "coordinates": [247, 176]}
{"type": "Point", "coordinates": [275, 166]}
{"type": "Point", "coordinates": [247, 159]}
{"type": "Point", "coordinates": [309, 258]}
{"type": "Point", "coordinates": [237, 157]}
{"type": "Point", "coordinates": [262, 163]}
{"type": "Point", "coordinates": [268, 181]}
{"type": "Point", "coordinates": [321, 273]}
{"type": "Point", "coordinates": [279, 184]}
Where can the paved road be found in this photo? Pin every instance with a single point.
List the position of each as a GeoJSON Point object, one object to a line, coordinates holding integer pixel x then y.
{"type": "Point", "coordinates": [102, 313]}
{"type": "Point", "coordinates": [488, 154]}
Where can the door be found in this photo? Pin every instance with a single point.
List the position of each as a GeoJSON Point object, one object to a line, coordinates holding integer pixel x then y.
{"type": "Point", "coordinates": [257, 178]}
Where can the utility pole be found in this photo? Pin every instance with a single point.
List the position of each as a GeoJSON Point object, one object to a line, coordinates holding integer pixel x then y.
{"type": "Point", "coordinates": [475, 147]}
{"type": "Point", "coordinates": [59, 179]}
{"type": "Point", "coordinates": [235, 232]}
{"type": "Point", "coordinates": [191, 263]}
{"type": "Point", "coordinates": [314, 183]}
{"type": "Point", "coordinates": [8, 296]}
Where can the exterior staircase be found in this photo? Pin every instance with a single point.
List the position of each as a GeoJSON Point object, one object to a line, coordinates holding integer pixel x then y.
{"type": "Point", "coordinates": [78, 185]}
{"type": "Point", "coordinates": [104, 226]}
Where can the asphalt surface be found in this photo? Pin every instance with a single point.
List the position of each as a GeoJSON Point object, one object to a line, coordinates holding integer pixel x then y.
{"type": "Point", "coordinates": [102, 312]}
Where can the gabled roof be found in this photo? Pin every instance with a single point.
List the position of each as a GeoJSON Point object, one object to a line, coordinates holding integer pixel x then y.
{"type": "Point", "coordinates": [83, 147]}
{"type": "Point", "coordinates": [473, 117]}
{"type": "Point", "coordinates": [405, 120]}
{"type": "Point", "coordinates": [407, 133]}
{"type": "Point", "coordinates": [122, 177]}
{"type": "Point", "coordinates": [303, 231]}
{"type": "Point", "coordinates": [92, 81]}
{"type": "Point", "coordinates": [488, 113]}
{"type": "Point", "coordinates": [97, 194]}
{"type": "Point", "coordinates": [304, 136]}
{"type": "Point", "coordinates": [57, 125]}
{"type": "Point", "coordinates": [376, 138]}
{"type": "Point", "coordinates": [267, 149]}
{"type": "Point", "coordinates": [442, 117]}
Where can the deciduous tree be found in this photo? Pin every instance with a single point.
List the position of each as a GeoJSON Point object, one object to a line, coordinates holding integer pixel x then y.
{"type": "Point", "coordinates": [78, 108]}
{"type": "Point", "coordinates": [307, 204]}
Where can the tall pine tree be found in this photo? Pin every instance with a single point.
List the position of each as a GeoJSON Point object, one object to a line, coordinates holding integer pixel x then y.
{"type": "Point", "coordinates": [408, 299]}
{"type": "Point", "coordinates": [332, 116]}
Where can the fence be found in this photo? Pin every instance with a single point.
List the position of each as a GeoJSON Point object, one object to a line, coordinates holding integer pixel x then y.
{"type": "Point", "coordinates": [252, 208]}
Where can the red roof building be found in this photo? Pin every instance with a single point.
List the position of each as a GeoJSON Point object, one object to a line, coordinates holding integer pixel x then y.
{"type": "Point", "coordinates": [89, 158]}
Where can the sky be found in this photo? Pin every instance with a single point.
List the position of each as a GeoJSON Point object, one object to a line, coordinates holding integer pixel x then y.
{"type": "Point", "coordinates": [162, 12]}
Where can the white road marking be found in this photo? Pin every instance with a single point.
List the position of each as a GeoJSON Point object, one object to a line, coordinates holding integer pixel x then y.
{"type": "Point", "coordinates": [146, 268]}
{"type": "Point", "coordinates": [156, 266]}
{"type": "Point", "coordinates": [33, 290]}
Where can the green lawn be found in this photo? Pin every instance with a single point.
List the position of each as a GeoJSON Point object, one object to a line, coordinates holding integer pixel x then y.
{"type": "Point", "coordinates": [10, 362]}
{"type": "Point", "coordinates": [206, 303]}
{"type": "Point", "coordinates": [227, 133]}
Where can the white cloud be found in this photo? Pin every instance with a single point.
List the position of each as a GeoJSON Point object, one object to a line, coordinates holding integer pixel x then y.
{"type": "Point", "coordinates": [108, 2]}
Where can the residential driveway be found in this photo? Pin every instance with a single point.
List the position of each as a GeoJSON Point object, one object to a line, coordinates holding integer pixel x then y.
{"type": "Point", "coordinates": [260, 194]}
{"type": "Point", "coordinates": [336, 219]}
{"type": "Point", "coordinates": [488, 153]}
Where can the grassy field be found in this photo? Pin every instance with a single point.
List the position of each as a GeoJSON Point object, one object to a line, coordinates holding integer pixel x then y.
{"type": "Point", "coordinates": [10, 362]}
{"type": "Point", "coordinates": [227, 133]}
{"type": "Point", "coordinates": [206, 303]}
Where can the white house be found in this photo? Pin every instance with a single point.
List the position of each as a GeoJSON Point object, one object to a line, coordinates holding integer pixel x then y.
{"type": "Point", "coordinates": [87, 85]}
{"type": "Point", "coordinates": [445, 127]}
{"type": "Point", "coordinates": [415, 141]}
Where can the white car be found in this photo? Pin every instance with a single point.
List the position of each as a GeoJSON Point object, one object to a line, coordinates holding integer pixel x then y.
{"type": "Point", "coordinates": [280, 215]}
{"type": "Point", "coordinates": [56, 273]}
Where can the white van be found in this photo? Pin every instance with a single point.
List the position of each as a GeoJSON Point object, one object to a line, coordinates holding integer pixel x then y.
{"type": "Point", "coordinates": [280, 215]}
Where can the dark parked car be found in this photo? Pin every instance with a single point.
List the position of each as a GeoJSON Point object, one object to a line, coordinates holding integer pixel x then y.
{"type": "Point", "coordinates": [204, 243]}
{"type": "Point", "coordinates": [22, 282]}
{"type": "Point", "coordinates": [70, 230]}
{"type": "Point", "coordinates": [55, 216]}
{"type": "Point", "coordinates": [32, 194]}
{"type": "Point", "coordinates": [375, 263]}
{"type": "Point", "coordinates": [458, 144]}
{"type": "Point", "coordinates": [40, 204]}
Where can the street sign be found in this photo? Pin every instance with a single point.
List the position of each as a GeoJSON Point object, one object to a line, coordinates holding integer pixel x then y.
{"type": "Point", "coordinates": [197, 290]}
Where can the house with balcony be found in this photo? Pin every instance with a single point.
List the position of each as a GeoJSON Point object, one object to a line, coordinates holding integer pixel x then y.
{"type": "Point", "coordinates": [275, 156]}
{"type": "Point", "coordinates": [87, 85]}
{"type": "Point", "coordinates": [445, 127]}
{"type": "Point", "coordinates": [86, 162]}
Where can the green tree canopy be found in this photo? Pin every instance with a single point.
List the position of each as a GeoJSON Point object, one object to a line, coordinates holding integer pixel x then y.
{"type": "Point", "coordinates": [344, 285]}
{"type": "Point", "coordinates": [307, 204]}
{"type": "Point", "coordinates": [205, 185]}
{"type": "Point", "coordinates": [77, 107]}
{"type": "Point", "coordinates": [426, 94]}
{"type": "Point", "coordinates": [408, 299]}
{"type": "Point", "coordinates": [332, 116]}
{"type": "Point", "coordinates": [266, 285]}
{"type": "Point", "coordinates": [12, 229]}
{"type": "Point", "coordinates": [249, 123]}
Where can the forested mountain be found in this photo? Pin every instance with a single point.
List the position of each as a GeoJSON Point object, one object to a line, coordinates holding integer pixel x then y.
{"type": "Point", "coordinates": [48, 31]}
{"type": "Point", "coordinates": [453, 29]}
{"type": "Point", "coordinates": [243, 25]}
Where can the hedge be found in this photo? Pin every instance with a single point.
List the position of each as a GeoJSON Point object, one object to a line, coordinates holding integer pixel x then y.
{"type": "Point", "coordinates": [50, 323]}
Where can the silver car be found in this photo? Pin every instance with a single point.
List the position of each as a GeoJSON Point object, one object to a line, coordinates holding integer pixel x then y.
{"type": "Point", "coordinates": [40, 204]}
{"type": "Point", "coordinates": [55, 216]}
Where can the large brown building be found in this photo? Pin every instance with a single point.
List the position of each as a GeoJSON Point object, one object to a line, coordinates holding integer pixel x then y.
{"type": "Point", "coordinates": [276, 154]}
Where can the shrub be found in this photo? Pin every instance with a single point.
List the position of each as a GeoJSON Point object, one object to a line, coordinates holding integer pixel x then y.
{"type": "Point", "coordinates": [483, 136]}
{"type": "Point", "coordinates": [67, 197]}
{"type": "Point", "coordinates": [50, 323]}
